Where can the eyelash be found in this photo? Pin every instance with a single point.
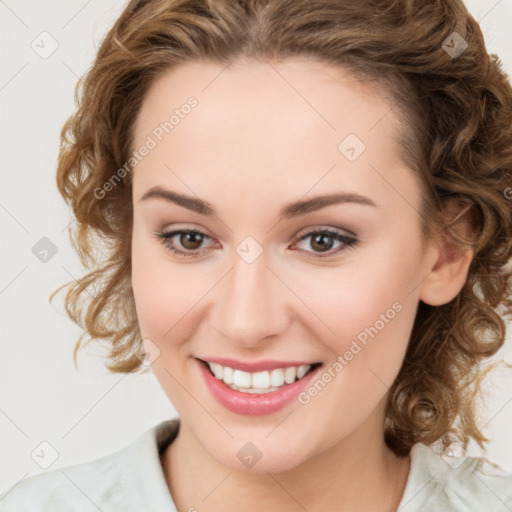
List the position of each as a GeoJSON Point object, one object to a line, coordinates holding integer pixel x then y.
{"type": "Point", "coordinates": [349, 242]}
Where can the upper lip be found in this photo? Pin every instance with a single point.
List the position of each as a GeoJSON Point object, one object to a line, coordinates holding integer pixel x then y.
{"type": "Point", "coordinates": [255, 366]}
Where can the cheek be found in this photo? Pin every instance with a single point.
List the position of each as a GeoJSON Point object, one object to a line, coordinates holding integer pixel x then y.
{"type": "Point", "coordinates": [366, 307]}
{"type": "Point", "coordinates": [167, 293]}
{"type": "Point", "coordinates": [372, 326]}
{"type": "Point", "coordinates": [371, 314]}
{"type": "Point", "coordinates": [157, 290]}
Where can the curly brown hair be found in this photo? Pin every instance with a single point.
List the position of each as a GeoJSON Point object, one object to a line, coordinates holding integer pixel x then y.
{"type": "Point", "coordinates": [456, 135]}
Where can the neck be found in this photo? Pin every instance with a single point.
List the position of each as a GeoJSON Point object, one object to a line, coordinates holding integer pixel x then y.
{"type": "Point", "coordinates": [360, 473]}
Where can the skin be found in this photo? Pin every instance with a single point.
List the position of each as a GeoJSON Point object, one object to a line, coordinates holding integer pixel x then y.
{"type": "Point", "coordinates": [262, 136]}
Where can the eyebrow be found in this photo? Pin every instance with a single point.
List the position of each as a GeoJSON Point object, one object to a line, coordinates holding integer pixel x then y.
{"type": "Point", "coordinates": [294, 209]}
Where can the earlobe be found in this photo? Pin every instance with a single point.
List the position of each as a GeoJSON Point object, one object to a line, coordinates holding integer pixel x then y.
{"type": "Point", "coordinates": [448, 274]}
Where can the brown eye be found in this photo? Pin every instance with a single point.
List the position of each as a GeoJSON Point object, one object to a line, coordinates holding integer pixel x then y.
{"type": "Point", "coordinates": [184, 242]}
{"type": "Point", "coordinates": [191, 240]}
{"type": "Point", "coordinates": [322, 241]}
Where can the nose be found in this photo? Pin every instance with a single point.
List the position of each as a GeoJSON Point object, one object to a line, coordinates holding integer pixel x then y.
{"type": "Point", "coordinates": [251, 306]}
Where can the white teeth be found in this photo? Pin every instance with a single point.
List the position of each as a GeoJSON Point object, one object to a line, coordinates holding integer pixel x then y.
{"type": "Point", "coordinates": [258, 382]}
{"type": "Point", "coordinates": [242, 379]}
{"type": "Point", "coordinates": [228, 375]}
{"type": "Point", "coordinates": [302, 370]}
{"type": "Point", "coordinates": [277, 377]}
{"type": "Point", "coordinates": [289, 374]}
{"type": "Point", "coordinates": [218, 370]}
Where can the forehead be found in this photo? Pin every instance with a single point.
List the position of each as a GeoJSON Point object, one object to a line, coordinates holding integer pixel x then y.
{"type": "Point", "coordinates": [305, 91]}
{"type": "Point", "coordinates": [286, 123]}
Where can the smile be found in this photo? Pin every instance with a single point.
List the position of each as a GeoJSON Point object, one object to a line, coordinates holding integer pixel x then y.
{"type": "Point", "coordinates": [256, 392]}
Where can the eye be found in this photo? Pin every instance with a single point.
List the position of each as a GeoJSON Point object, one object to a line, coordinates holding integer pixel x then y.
{"type": "Point", "coordinates": [323, 239]}
{"type": "Point", "coordinates": [189, 239]}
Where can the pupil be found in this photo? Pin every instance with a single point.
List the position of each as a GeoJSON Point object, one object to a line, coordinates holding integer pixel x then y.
{"type": "Point", "coordinates": [321, 237]}
{"type": "Point", "coordinates": [190, 238]}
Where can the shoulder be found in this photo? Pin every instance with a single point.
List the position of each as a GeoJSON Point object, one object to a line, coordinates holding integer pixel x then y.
{"type": "Point", "coordinates": [75, 487]}
{"type": "Point", "coordinates": [118, 481]}
{"type": "Point", "coordinates": [439, 481]}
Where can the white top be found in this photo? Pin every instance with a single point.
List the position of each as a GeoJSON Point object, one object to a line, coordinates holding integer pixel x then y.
{"type": "Point", "coordinates": [132, 480]}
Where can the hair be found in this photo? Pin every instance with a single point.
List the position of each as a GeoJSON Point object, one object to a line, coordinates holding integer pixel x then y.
{"type": "Point", "coordinates": [456, 135]}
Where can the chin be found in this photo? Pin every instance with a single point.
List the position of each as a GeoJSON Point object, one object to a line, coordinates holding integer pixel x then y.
{"type": "Point", "coordinates": [257, 454]}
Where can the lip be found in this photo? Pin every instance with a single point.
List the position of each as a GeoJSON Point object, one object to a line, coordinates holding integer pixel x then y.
{"type": "Point", "coordinates": [254, 404]}
{"type": "Point", "coordinates": [256, 366]}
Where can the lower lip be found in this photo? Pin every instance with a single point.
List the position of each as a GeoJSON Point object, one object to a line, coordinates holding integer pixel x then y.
{"type": "Point", "coordinates": [254, 404]}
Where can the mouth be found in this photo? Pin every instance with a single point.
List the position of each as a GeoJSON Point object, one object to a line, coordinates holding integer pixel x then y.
{"type": "Point", "coordinates": [259, 382]}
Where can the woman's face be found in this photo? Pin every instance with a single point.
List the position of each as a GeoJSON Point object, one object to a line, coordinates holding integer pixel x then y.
{"type": "Point", "coordinates": [274, 278]}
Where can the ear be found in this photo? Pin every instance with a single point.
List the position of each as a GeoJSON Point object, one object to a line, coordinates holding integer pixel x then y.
{"type": "Point", "coordinates": [449, 261]}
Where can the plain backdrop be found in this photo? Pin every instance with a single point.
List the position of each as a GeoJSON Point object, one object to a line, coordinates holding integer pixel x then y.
{"type": "Point", "coordinates": [87, 414]}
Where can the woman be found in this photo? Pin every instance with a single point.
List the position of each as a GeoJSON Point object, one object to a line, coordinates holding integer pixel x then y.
{"type": "Point", "coordinates": [308, 226]}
